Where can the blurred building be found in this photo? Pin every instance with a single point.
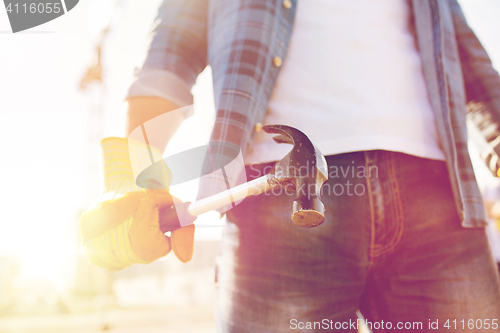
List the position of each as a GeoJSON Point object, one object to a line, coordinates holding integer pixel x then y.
{"type": "Point", "coordinates": [9, 270]}
{"type": "Point", "coordinates": [168, 282]}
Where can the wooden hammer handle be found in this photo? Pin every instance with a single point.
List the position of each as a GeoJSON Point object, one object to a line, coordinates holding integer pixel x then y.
{"type": "Point", "coordinates": [230, 196]}
{"type": "Point", "coordinates": [169, 216]}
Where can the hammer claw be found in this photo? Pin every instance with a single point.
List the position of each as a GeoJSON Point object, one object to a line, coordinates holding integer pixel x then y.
{"type": "Point", "coordinates": [304, 166]}
{"type": "Point", "coordinates": [283, 139]}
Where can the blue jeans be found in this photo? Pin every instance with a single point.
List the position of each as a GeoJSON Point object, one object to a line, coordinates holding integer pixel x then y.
{"type": "Point", "coordinates": [391, 247]}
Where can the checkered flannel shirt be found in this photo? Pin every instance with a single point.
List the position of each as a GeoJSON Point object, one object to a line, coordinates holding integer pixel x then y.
{"type": "Point", "coordinates": [244, 42]}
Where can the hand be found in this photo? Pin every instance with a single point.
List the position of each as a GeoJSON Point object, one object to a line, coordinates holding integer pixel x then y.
{"type": "Point", "coordinates": [124, 227]}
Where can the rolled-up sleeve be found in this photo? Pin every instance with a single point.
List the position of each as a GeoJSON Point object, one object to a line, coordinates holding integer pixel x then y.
{"type": "Point", "coordinates": [482, 82]}
{"type": "Point", "coordinates": [177, 52]}
{"type": "Point", "coordinates": [482, 87]}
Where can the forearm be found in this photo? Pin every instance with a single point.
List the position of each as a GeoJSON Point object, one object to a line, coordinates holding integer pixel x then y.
{"type": "Point", "coordinates": [143, 109]}
{"type": "Point", "coordinates": [177, 54]}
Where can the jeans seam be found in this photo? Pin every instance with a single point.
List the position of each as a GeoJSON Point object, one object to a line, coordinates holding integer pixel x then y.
{"type": "Point", "coordinates": [398, 209]}
{"type": "Point", "coordinates": [372, 213]}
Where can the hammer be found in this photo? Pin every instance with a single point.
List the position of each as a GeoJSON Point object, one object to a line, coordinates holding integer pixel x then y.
{"type": "Point", "coordinates": [303, 169]}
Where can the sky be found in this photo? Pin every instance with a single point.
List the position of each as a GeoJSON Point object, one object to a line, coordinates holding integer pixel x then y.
{"type": "Point", "coordinates": [49, 168]}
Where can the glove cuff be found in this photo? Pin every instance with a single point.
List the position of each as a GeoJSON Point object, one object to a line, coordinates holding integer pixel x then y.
{"type": "Point", "coordinates": [124, 159]}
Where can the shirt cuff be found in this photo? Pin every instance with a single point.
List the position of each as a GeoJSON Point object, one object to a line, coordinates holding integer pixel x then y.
{"type": "Point", "coordinates": [162, 84]}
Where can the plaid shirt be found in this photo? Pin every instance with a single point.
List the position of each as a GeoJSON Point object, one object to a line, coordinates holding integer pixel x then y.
{"type": "Point", "coordinates": [242, 40]}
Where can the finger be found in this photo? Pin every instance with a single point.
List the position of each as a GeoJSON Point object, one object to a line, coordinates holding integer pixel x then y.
{"type": "Point", "coordinates": [121, 243]}
{"type": "Point", "coordinates": [183, 242]}
{"type": "Point", "coordinates": [160, 198]}
{"type": "Point", "coordinates": [495, 210]}
{"type": "Point", "coordinates": [175, 216]}
{"type": "Point", "coordinates": [147, 240]}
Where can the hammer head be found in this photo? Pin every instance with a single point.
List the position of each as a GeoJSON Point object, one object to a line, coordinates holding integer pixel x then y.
{"type": "Point", "coordinates": [304, 168]}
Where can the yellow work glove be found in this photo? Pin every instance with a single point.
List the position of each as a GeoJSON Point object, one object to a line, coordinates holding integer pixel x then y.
{"type": "Point", "coordinates": [123, 228]}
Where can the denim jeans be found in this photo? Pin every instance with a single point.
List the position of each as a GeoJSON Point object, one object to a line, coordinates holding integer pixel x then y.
{"type": "Point", "coordinates": [391, 246]}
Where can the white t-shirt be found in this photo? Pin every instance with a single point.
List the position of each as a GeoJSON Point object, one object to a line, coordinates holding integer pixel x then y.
{"type": "Point", "coordinates": [352, 81]}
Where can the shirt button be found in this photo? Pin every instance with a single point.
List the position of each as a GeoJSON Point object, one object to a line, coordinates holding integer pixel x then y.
{"type": "Point", "coordinates": [258, 127]}
{"type": "Point", "coordinates": [277, 61]}
{"type": "Point", "coordinates": [287, 4]}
